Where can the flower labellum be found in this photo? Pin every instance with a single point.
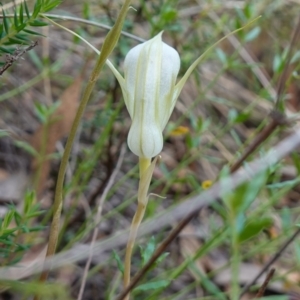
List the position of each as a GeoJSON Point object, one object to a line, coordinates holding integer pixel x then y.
{"type": "Point", "coordinates": [150, 72]}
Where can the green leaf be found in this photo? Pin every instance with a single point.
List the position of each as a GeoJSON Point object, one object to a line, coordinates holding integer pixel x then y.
{"type": "Point", "coordinates": [248, 10]}
{"type": "Point", "coordinates": [148, 251]}
{"type": "Point", "coordinates": [26, 147]}
{"type": "Point", "coordinates": [16, 21]}
{"type": "Point", "coordinates": [22, 37]}
{"type": "Point", "coordinates": [37, 23]}
{"type": "Point", "coordinates": [232, 114]}
{"type": "Point", "coordinates": [21, 27]}
{"type": "Point", "coordinates": [2, 34]}
{"type": "Point", "coordinates": [252, 34]}
{"type": "Point", "coordinates": [33, 32]}
{"type": "Point", "coordinates": [296, 57]}
{"type": "Point", "coordinates": [242, 117]}
{"type": "Point", "coordinates": [13, 40]}
{"type": "Point", "coordinates": [242, 197]}
{"type": "Point", "coordinates": [27, 10]}
{"type": "Point", "coordinates": [9, 231]}
{"type": "Point", "coordinates": [162, 257]}
{"type": "Point", "coordinates": [7, 219]}
{"type": "Point", "coordinates": [7, 50]}
{"type": "Point", "coordinates": [208, 284]}
{"type": "Point", "coordinates": [18, 218]}
{"type": "Point", "coordinates": [154, 285]}
{"type": "Point", "coordinates": [119, 261]}
{"type": "Point", "coordinates": [41, 111]}
{"type": "Point", "coordinates": [222, 56]}
{"type": "Point", "coordinates": [35, 214]}
{"type": "Point", "coordinates": [169, 14]}
{"type": "Point", "coordinates": [3, 133]}
{"type": "Point", "coordinates": [86, 10]}
{"type": "Point", "coordinates": [36, 228]}
{"type": "Point", "coordinates": [5, 22]}
{"type": "Point", "coordinates": [284, 184]}
{"type": "Point", "coordinates": [28, 201]}
{"type": "Point", "coordinates": [296, 161]}
{"type": "Point", "coordinates": [6, 242]}
{"type": "Point", "coordinates": [51, 5]}
{"type": "Point", "coordinates": [254, 227]}
{"type": "Point", "coordinates": [36, 9]}
{"type": "Point", "coordinates": [24, 229]}
{"type": "Point", "coordinates": [21, 17]}
{"type": "Point", "coordinates": [235, 117]}
{"type": "Point", "coordinates": [278, 64]}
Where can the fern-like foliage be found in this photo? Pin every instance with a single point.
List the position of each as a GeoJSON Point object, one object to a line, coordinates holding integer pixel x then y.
{"type": "Point", "coordinates": [19, 29]}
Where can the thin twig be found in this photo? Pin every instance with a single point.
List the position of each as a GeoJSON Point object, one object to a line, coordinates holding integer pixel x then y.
{"type": "Point", "coordinates": [262, 289]}
{"type": "Point", "coordinates": [45, 55]}
{"type": "Point", "coordinates": [277, 119]}
{"type": "Point", "coordinates": [98, 219]}
{"type": "Point", "coordinates": [284, 74]}
{"type": "Point", "coordinates": [270, 262]}
{"type": "Point", "coordinates": [11, 58]}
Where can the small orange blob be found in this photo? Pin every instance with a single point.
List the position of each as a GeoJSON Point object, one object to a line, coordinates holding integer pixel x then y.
{"type": "Point", "coordinates": [206, 184]}
{"type": "Point", "coordinates": [179, 131]}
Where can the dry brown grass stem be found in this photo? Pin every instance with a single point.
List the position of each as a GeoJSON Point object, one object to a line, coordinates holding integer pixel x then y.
{"type": "Point", "coordinates": [98, 218]}
{"type": "Point", "coordinates": [265, 283]}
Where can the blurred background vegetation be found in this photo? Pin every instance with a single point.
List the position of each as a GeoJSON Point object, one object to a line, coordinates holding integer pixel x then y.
{"type": "Point", "coordinates": [224, 105]}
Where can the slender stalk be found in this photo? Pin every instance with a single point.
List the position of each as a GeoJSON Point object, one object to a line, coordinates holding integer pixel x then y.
{"type": "Point", "coordinates": [57, 207]}
{"type": "Point", "coordinates": [107, 47]}
{"type": "Point", "coordinates": [144, 164]}
{"type": "Point", "coordinates": [235, 263]}
{"type": "Point", "coordinates": [137, 219]}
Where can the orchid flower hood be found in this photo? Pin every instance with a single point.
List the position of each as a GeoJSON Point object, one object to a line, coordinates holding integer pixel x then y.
{"type": "Point", "coordinates": [150, 91]}
{"type": "Point", "coordinates": [150, 72]}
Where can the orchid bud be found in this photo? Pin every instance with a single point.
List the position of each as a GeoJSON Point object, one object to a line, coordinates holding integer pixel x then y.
{"type": "Point", "coordinates": [150, 72]}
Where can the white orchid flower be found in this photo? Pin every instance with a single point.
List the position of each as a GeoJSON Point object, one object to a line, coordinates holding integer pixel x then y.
{"type": "Point", "coordinates": [150, 75]}
{"type": "Point", "coordinates": [150, 93]}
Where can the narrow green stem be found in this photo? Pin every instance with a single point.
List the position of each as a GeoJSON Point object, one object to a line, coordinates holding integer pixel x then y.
{"type": "Point", "coordinates": [235, 262]}
{"type": "Point", "coordinates": [41, 160]}
{"type": "Point", "coordinates": [136, 221]}
{"type": "Point", "coordinates": [57, 207]}
{"type": "Point", "coordinates": [107, 47]}
{"type": "Point", "coordinates": [144, 164]}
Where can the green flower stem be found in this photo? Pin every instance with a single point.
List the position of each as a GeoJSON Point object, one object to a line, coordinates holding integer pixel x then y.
{"type": "Point", "coordinates": [107, 47]}
{"type": "Point", "coordinates": [58, 199]}
{"type": "Point", "coordinates": [235, 261]}
{"type": "Point", "coordinates": [144, 164]}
